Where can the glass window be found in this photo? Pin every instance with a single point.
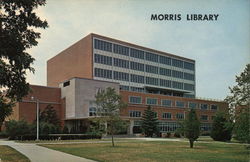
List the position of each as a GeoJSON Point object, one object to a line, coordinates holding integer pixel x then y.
{"type": "Point", "coordinates": [206, 127]}
{"type": "Point", "coordinates": [180, 116]}
{"type": "Point", "coordinates": [192, 105]}
{"type": "Point", "coordinates": [121, 63]}
{"type": "Point", "coordinates": [121, 76]}
{"type": "Point", "coordinates": [177, 74]}
{"type": "Point", "coordinates": [204, 117]}
{"type": "Point", "coordinates": [177, 85]}
{"type": "Point", "coordinates": [189, 66]}
{"type": "Point", "coordinates": [137, 89]}
{"type": "Point", "coordinates": [135, 99]}
{"type": "Point", "coordinates": [165, 83]}
{"type": "Point", "coordinates": [136, 53]}
{"type": "Point", "coordinates": [92, 111]}
{"type": "Point", "coordinates": [151, 101]}
{"type": "Point", "coordinates": [103, 73]}
{"type": "Point", "coordinates": [204, 106]}
{"type": "Point", "coordinates": [152, 57]}
{"type": "Point", "coordinates": [179, 104]}
{"type": "Point", "coordinates": [152, 81]}
{"type": "Point", "coordinates": [177, 63]}
{"type": "Point", "coordinates": [103, 59]}
{"type": "Point", "coordinates": [165, 60]}
{"type": "Point", "coordinates": [189, 87]}
{"type": "Point", "coordinates": [168, 126]}
{"type": "Point", "coordinates": [136, 78]}
{"type": "Point", "coordinates": [136, 66]}
{"type": "Point", "coordinates": [166, 115]}
{"type": "Point", "coordinates": [166, 103]}
{"type": "Point", "coordinates": [188, 76]}
{"type": "Point", "coordinates": [123, 87]}
{"type": "Point", "coordinates": [103, 45]}
{"type": "Point", "coordinates": [152, 69]}
{"type": "Point", "coordinates": [133, 113]}
{"type": "Point", "coordinates": [165, 72]}
{"type": "Point", "coordinates": [121, 49]}
{"type": "Point", "coordinates": [214, 107]}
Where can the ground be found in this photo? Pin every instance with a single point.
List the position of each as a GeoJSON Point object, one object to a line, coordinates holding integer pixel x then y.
{"type": "Point", "coordinates": [8, 154]}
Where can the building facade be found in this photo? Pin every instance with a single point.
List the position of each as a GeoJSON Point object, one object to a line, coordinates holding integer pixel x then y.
{"type": "Point", "coordinates": [142, 76]}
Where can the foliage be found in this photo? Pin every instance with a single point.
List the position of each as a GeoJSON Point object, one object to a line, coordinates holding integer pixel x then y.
{"type": "Point", "coordinates": [191, 127]}
{"type": "Point", "coordinates": [242, 125]}
{"type": "Point", "coordinates": [149, 122]}
{"type": "Point", "coordinates": [65, 129]}
{"type": "Point", "coordinates": [17, 34]}
{"type": "Point", "coordinates": [49, 115]}
{"type": "Point", "coordinates": [239, 100]}
{"type": "Point", "coordinates": [5, 109]}
{"type": "Point", "coordinates": [17, 128]}
{"type": "Point", "coordinates": [221, 127]}
{"type": "Point", "coordinates": [109, 104]}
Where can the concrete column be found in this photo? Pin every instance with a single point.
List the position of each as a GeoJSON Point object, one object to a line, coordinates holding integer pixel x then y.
{"type": "Point", "coordinates": [131, 126]}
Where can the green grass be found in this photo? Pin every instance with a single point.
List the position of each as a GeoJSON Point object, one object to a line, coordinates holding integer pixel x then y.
{"type": "Point", "coordinates": [8, 154]}
{"type": "Point", "coordinates": [156, 151]}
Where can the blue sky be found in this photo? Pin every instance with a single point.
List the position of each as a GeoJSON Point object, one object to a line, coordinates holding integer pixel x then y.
{"type": "Point", "coordinates": [220, 48]}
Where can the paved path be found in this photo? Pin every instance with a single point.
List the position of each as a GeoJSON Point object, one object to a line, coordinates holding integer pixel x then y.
{"type": "Point", "coordinates": [41, 154]}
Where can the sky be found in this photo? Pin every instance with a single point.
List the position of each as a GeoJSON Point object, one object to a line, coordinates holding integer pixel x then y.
{"type": "Point", "coordinates": [220, 48]}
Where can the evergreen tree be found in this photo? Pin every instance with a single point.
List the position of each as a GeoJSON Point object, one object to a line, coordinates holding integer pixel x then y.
{"type": "Point", "coordinates": [191, 127]}
{"type": "Point", "coordinates": [149, 122]}
{"type": "Point", "coordinates": [221, 127]}
{"type": "Point", "coordinates": [49, 115]}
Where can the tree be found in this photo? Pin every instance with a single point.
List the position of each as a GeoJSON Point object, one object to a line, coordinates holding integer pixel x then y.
{"type": "Point", "coordinates": [49, 115]}
{"type": "Point", "coordinates": [109, 104]}
{"type": "Point", "coordinates": [5, 109]}
{"type": "Point", "coordinates": [17, 34]}
{"type": "Point", "coordinates": [191, 127]}
{"type": "Point", "coordinates": [17, 128]}
{"type": "Point", "coordinates": [149, 122]}
{"type": "Point", "coordinates": [221, 127]}
{"type": "Point", "coordinates": [239, 102]}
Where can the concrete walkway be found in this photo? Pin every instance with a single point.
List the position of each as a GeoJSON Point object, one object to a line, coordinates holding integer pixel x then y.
{"type": "Point", "coordinates": [41, 154]}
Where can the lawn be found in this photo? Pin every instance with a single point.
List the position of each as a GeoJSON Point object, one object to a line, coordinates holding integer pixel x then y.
{"type": "Point", "coordinates": [8, 154]}
{"type": "Point", "coordinates": [156, 151]}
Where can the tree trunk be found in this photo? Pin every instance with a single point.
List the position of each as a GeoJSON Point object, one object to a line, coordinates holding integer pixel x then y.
{"type": "Point", "coordinates": [191, 142]}
{"type": "Point", "coordinates": [113, 144]}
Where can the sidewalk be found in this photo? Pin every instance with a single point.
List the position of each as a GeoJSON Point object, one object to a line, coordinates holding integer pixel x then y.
{"type": "Point", "coordinates": [41, 154]}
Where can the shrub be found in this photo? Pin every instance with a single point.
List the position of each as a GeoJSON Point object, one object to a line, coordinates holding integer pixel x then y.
{"type": "Point", "coordinates": [65, 130]}
{"type": "Point", "coordinates": [177, 135]}
{"type": "Point", "coordinates": [17, 128]}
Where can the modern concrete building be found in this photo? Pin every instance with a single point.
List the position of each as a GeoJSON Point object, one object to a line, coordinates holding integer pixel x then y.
{"type": "Point", "coordinates": [143, 77]}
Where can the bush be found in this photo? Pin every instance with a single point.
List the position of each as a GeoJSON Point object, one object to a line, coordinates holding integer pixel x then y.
{"type": "Point", "coordinates": [17, 128]}
{"type": "Point", "coordinates": [3, 134]}
{"type": "Point", "coordinates": [65, 130]}
{"type": "Point", "coordinates": [177, 135]}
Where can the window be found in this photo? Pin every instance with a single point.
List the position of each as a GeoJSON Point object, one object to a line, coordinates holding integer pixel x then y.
{"type": "Point", "coordinates": [135, 99]}
{"type": "Point", "coordinates": [103, 73]}
{"type": "Point", "coordinates": [151, 101]}
{"type": "Point", "coordinates": [65, 84]}
{"type": "Point", "coordinates": [134, 113]}
{"type": "Point", "coordinates": [179, 116]}
{"type": "Point", "coordinates": [121, 63]}
{"type": "Point", "coordinates": [103, 59]}
{"type": "Point", "coordinates": [177, 85]}
{"type": "Point", "coordinates": [152, 81]}
{"type": "Point", "coordinates": [152, 69]}
{"type": "Point", "coordinates": [136, 66]}
{"type": "Point", "coordinates": [152, 57]}
{"type": "Point", "coordinates": [189, 87]}
{"type": "Point", "coordinates": [166, 103]}
{"type": "Point", "coordinates": [189, 66]}
{"type": "Point", "coordinates": [121, 49]}
{"type": "Point", "coordinates": [204, 117]}
{"type": "Point", "coordinates": [120, 76]}
{"type": "Point", "coordinates": [92, 111]}
{"type": "Point", "coordinates": [165, 83]}
{"type": "Point", "coordinates": [192, 105]}
{"type": "Point", "coordinates": [166, 72]}
{"type": "Point", "coordinates": [155, 114]}
{"type": "Point", "coordinates": [136, 78]}
{"type": "Point", "coordinates": [206, 127]}
{"type": "Point", "coordinates": [179, 104]}
{"type": "Point", "coordinates": [188, 76]}
{"type": "Point", "coordinates": [204, 106]}
{"type": "Point", "coordinates": [165, 60]}
{"type": "Point", "coordinates": [136, 53]}
{"type": "Point", "coordinates": [123, 87]}
{"type": "Point", "coordinates": [166, 115]}
{"type": "Point", "coordinates": [177, 74]}
{"type": "Point", "coordinates": [137, 89]}
{"type": "Point", "coordinates": [177, 63]}
{"type": "Point", "coordinates": [103, 45]}
{"type": "Point", "coordinates": [214, 107]}
{"type": "Point", "coordinates": [168, 126]}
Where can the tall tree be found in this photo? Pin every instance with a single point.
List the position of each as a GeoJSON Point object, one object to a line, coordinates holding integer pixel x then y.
{"type": "Point", "coordinates": [222, 127]}
{"type": "Point", "coordinates": [239, 102]}
{"type": "Point", "coordinates": [149, 122]}
{"type": "Point", "coordinates": [109, 104]}
{"type": "Point", "coordinates": [49, 115]}
{"type": "Point", "coordinates": [5, 109]}
{"type": "Point", "coordinates": [17, 22]}
{"type": "Point", "coordinates": [191, 127]}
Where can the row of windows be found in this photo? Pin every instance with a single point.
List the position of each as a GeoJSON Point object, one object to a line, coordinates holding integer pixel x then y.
{"type": "Point", "coordinates": [119, 49]}
{"type": "Point", "coordinates": [141, 67]}
{"type": "Point", "coordinates": [169, 103]}
{"type": "Point", "coordinates": [121, 76]}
